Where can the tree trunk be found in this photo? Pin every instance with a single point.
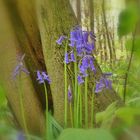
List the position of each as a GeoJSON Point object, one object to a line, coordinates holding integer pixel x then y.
{"type": "Point", "coordinates": [107, 33]}
{"type": "Point", "coordinates": [56, 18]}
{"type": "Point", "coordinates": [13, 45]}
{"type": "Point", "coordinates": [78, 9]}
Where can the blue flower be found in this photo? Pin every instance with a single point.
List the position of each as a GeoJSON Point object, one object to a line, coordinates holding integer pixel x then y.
{"type": "Point", "coordinates": [80, 80]}
{"type": "Point", "coordinates": [20, 68]}
{"type": "Point", "coordinates": [42, 77]}
{"type": "Point", "coordinates": [60, 40]}
{"type": "Point", "coordinates": [92, 65]}
{"type": "Point", "coordinates": [46, 77]}
{"type": "Point", "coordinates": [72, 57]}
{"type": "Point", "coordinates": [99, 87]}
{"type": "Point", "coordinates": [69, 94]}
{"type": "Point", "coordinates": [66, 60]}
{"type": "Point", "coordinates": [87, 62]}
{"type": "Point", "coordinates": [103, 83]}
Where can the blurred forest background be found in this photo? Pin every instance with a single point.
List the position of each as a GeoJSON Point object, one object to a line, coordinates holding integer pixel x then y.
{"type": "Point", "coordinates": [33, 26]}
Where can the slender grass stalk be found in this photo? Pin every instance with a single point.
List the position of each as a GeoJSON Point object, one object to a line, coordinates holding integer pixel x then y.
{"type": "Point", "coordinates": [129, 64]}
{"type": "Point", "coordinates": [66, 90]}
{"type": "Point", "coordinates": [22, 107]}
{"type": "Point", "coordinates": [92, 110]}
{"type": "Point", "coordinates": [46, 113]}
{"type": "Point", "coordinates": [75, 90]}
{"type": "Point", "coordinates": [71, 115]}
{"type": "Point", "coordinates": [86, 102]}
{"type": "Point", "coordinates": [80, 107]}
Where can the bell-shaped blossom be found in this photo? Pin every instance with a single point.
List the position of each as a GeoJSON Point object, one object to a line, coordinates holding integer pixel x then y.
{"type": "Point", "coordinates": [66, 60]}
{"type": "Point", "coordinates": [60, 40]}
{"type": "Point", "coordinates": [72, 57]}
{"type": "Point", "coordinates": [46, 77]}
{"type": "Point", "coordinates": [42, 77]}
{"type": "Point", "coordinates": [20, 68]}
{"type": "Point", "coordinates": [80, 79]}
{"type": "Point", "coordinates": [103, 83]}
{"type": "Point", "coordinates": [69, 94]}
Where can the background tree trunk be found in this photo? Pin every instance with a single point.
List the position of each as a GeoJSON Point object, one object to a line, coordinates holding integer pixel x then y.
{"type": "Point", "coordinates": [57, 18]}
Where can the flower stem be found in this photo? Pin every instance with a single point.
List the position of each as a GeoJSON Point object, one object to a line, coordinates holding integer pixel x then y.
{"type": "Point", "coordinates": [46, 113]}
{"type": "Point", "coordinates": [80, 107]}
{"type": "Point", "coordinates": [86, 102]}
{"type": "Point", "coordinates": [66, 90]}
{"type": "Point", "coordinates": [71, 115]}
{"type": "Point", "coordinates": [75, 90]}
{"type": "Point", "coordinates": [129, 64]}
{"type": "Point", "coordinates": [22, 107]}
{"type": "Point", "coordinates": [92, 110]}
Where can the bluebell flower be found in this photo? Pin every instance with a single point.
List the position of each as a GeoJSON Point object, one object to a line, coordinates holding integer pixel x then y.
{"type": "Point", "coordinates": [92, 65]}
{"type": "Point", "coordinates": [108, 83]}
{"type": "Point", "coordinates": [87, 62]}
{"type": "Point", "coordinates": [66, 60]}
{"type": "Point", "coordinates": [79, 50]}
{"type": "Point", "coordinates": [46, 77]}
{"type": "Point", "coordinates": [42, 77]}
{"type": "Point", "coordinates": [69, 94]}
{"type": "Point", "coordinates": [99, 87]}
{"type": "Point", "coordinates": [20, 68]}
{"type": "Point", "coordinates": [72, 57]}
{"type": "Point", "coordinates": [103, 83]}
{"type": "Point", "coordinates": [80, 79]}
{"type": "Point", "coordinates": [82, 69]}
{"type": "Point", "coordinates": [60, 40]}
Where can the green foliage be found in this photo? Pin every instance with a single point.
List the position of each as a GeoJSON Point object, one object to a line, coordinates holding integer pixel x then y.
{"type": "Point", "coordinates": [127, 20]}
{"type": "Point", "coordinates": [136, 45]}
{"type": "Point", "coordinates": [128, 115]}
{"type": "Point", "coordinates": [106, 117]}
{"type": "Point", "coordinates": [81, 134]}
{"type": "Point", "coordinates": [54, 129]}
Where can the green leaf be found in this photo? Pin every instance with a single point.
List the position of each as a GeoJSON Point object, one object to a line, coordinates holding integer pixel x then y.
{"type": "Point", "coordinates": [81, 134]}
{"type": "Point", "coordinates": [136, 46]}
{"type": "Point", "coordinates": [106, 116]}
{"type": "Point", "coordinates": [128, 114]}
{"type": "Point", "coordinates": [127, 20]}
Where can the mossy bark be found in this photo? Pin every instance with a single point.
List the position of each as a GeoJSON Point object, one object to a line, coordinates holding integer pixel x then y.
{"type": "Point", "coordinates": [56, 18]}
{"type": "Point", "coordinates": [19, 40]}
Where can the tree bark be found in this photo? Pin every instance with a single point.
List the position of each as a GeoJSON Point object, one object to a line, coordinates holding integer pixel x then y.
{"type": "Point", "coordinates": [56, 18]}
{"type": "Point", "coordinates": [12, 46]}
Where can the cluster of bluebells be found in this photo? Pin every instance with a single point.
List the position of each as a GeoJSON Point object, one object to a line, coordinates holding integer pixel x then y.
{"type": "Point", "coordinates": [104, 82]}
{"type": "Point", "coordinates": [81, 42]}
{"type": "Point", "coordinates": [41, 76]}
